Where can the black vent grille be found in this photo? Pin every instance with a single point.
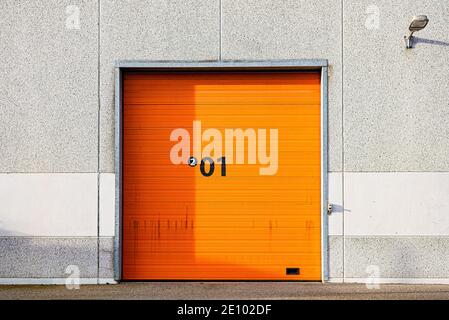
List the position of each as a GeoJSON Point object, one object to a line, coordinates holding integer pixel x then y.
{"type": "Point", "coordinates": [292, 271]}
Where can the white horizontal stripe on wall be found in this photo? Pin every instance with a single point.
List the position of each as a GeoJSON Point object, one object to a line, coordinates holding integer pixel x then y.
{"type": "Point", "coordinates": [396, 203]}
{"type": "Point", "coordinates": [48, 204]}
{"type": "Point", "coordinates": [107, 204]}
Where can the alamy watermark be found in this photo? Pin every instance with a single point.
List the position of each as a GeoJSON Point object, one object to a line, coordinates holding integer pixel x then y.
{"type": "Point", "coordinates": [72, 21]}
{"type": "Point", "coordinates": [72, 282]}
{"type": "Point", "coordinates": [372, 21]}
{"type": "Point", "coordinates": [372, 281]}
{"type": "Point", "coordinates": [262, 147]}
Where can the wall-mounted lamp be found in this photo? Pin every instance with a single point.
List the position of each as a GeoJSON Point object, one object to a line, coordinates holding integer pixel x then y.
{"type": "Point", "coordinates": [418, 23]}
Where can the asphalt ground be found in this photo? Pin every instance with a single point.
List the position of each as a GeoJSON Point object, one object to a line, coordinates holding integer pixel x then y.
{"type": "Point", "coordinates": [226, 291]}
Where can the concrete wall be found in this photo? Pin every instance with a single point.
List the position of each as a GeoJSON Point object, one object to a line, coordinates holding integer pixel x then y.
{"type": "Point", "coordinates": [395, 137]}
{"type": "Point", "coordinates": [388, 122]}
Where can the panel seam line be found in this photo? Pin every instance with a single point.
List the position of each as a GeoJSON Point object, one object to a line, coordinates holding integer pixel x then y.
{"type": "Point", "coordinates": [220, 29]}
{"type": "Point", "coordinates": [342, 141]}
{"type": "Point", "coordinates": [98, 139]}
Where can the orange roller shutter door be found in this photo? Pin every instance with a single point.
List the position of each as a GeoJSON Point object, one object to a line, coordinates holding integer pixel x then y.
{"type": "Point", "coordinates": [247, 219]}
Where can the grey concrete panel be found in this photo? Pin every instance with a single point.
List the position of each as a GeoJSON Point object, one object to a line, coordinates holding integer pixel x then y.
{"type": "Point", "coordinates": [397, 257]}
{"type": "Point", "coordinates": [293, 29]}
{"type": "Point", "coordinates": [156, 30]}
{"type": "Point", "coordinates": [335, 257]}
{"type": "Point", "coordinates": [48, 87]}
{"type": "Point", "coordinates": [396, 101]}
{"type": "Point", "coordinates": [106, 258]}
{"type": "Point", "coordinates": [42, 257]}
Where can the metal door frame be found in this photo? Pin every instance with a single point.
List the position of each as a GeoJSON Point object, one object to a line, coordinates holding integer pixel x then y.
{"type": "Point", "coordinates": [240, 65]}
